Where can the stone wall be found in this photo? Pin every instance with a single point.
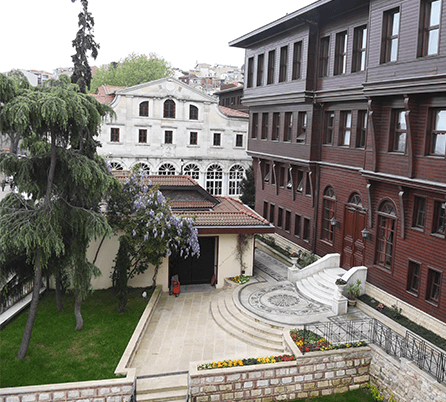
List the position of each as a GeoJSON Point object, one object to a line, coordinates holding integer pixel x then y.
{"type": "Point", "coordinates": [403, 379]}
{"type": "Point", "coordinates": [116, 390]}
{"type": "Point", "coordinates": [314, 374]}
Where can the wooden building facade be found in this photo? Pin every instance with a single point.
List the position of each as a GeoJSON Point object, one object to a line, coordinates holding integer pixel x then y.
{"type": "Point", "coordinates": [348, 133]}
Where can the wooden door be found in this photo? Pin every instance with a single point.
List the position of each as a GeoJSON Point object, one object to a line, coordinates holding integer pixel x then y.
{"type": "Point", "coordinates": [353, 243]}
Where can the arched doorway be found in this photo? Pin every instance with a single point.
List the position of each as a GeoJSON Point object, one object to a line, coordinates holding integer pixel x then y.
{"type": "Point", "coordinates": [353, 242]}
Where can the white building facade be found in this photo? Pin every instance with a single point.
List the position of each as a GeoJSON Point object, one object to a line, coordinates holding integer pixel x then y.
{"type": "Point", "coordinates": [168, 127]}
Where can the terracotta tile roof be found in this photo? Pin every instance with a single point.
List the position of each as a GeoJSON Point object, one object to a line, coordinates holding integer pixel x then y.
{"type": "Point", "coordinates": [105, 94]}
{"type": "Point", "coordinates": [232, 112]}
{"type": "Point", "coordinates": [173, 180]}
{"type": "Point", "coordinates": [228, 219]}
{"type": "Point", "coordinates": [104, 99]}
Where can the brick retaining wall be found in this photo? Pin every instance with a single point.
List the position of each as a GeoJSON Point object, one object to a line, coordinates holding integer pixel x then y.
{"type": "Point", "coordinates": [314, 374]}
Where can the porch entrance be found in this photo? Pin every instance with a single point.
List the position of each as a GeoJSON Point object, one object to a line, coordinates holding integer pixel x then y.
{"type": "Point", "coordinates": [353, 242]}
{"type": "Point", "coordinates": [193, 270]}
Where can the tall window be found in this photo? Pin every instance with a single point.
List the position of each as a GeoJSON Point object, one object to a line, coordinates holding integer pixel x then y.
{"type": "Point", "coordinates": [391, 29]}
{"type": "Point", "coordinates": [297, 60]}
{"type": "Point", "coordinates": [329, 202]}
{"type": "Point", "coordinates": [142, 136]}
{"type": "Point", "coordinates": [308, 184]}
{"type": "Point", "coordinates": [283, 68]}
{"type": "Point", "coordinates": [386, 234]}
{"type": "Point", "coordinates": [287, 220]}
{"type": "Point", "coordinates": [300, 181]}
{"type": "Point", "coordinates": [301, 127]}
{"type": "Point", "coordinates": [359, 48]}
{"type": "Point", "coordinates": [250, 72]}
{"type": "Point", "coordinates": [217, 139]}
{"type": "Point", "coordinates": [265, 118]}
{"type": "Point", "coordinates": [214, 180]}
{"type": "Point", "coordinates": [439, 219]}
{"type": "Point", "coordinates": [255, 125]}
{"type": "Point", "coordinates": [236, 174]}
{"type": "Point", "coordinates": [433, 286]}
{"type": "Point", "coordinates": [265, 209]}
{"type": "Point", "coordinates": [399, 131]}
{"type": "Point", "coordinates": [419, 212]}
{"type": "Point", "coordinates": [413, 278]}
{"type": "Point", "coordinates": [280, 217]}
{"type": "Point", "coordinates": [282, 173]}
{"type": "Point", "coordinates": [166, 169]}
{"type": "Point", "coordinates": [324, 56]}
{"type": "Point", "coordinates": [193, 138]}
{"type": "Point", "coordinates": [168, 137]}
{"type": "Point", "coordinates": [329, 126]}
{"type": "Point", "coordinates": [361, 129]}
{"type": "Point", "coordinates": [346, 129]}
{"type": "Point", "coordinates": [340, 53]}
{"type": "Point", "coordinates": [271, 66]}
{"type": "Point", "coordinates": [169, 109]}
{"type": "Point", "coordinates": [193, 112]}
{"type": "Point", "coordinates": [144, 109]}
{"type": "Point", "coordinates": [297, 225]}
{"type": "Point", "coordinates": [288, 126]}
{"type": "Point", "coordinates": [192, 171]}
{"type": "Point", "coordinates": [276, 127]}
{"type": "Point", "coordinates": [306, 231]}
{"type": "Point", "coordinates": [239, 140]}
{"type": "Point", "coordinates": [260, 67]}
{"type": "Point", "coordinates": [271, 213]}
{"type": "Point", "coordinates": [114, 134]}
{"type": "Point", "coordinates": [438, 135]}
{"type": "Point", "coordinates": [429, 32]}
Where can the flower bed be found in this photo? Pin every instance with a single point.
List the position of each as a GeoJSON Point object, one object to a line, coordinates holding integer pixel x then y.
{"type": "Point", "coordinates": [308, 341]}
{"type": "Point", "coordinates": [240, 279]}
{"type": "Point", "coordinates": [246, 362]}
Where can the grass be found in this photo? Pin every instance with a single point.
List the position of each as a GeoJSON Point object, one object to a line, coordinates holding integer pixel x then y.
{"type": "Point", "coordinates": [395, 315]}
{"type": "Point", "coordinates": [358, 395]}
{"type": "Point", "coordinates": [57, 352]}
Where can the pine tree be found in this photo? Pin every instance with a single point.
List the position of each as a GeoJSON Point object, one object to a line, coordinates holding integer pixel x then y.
{"type": "Point", "coordinates": [60, 180]}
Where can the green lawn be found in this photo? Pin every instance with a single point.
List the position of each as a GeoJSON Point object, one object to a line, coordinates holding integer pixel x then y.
{"type": "Point", "coordinates": [57, 352]}
{"type": "Point", "coordinates": [358, 395]}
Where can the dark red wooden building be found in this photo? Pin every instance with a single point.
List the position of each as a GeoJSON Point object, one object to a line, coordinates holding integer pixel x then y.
{"type": "Point", "coordinates": [347, 107]}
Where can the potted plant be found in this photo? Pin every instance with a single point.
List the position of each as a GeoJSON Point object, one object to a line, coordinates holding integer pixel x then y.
{"type": "Point", "coordinates": [340, 285]}
{"type": "Point", "coordinates": [353, 292]}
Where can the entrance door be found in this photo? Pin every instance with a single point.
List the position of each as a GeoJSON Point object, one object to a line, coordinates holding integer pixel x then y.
{"type": "Point", "coordinates": [353, 243]}
{"type": "Point", "coordinates": [193, 270]}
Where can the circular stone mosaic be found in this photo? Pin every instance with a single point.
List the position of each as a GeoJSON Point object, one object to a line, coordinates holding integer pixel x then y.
{"type": "Point", "coordinates": [283, 300]}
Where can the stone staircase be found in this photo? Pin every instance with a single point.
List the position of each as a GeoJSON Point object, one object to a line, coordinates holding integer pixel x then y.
{"type": "Point", "coordinates": [232, 319]}
{"type": "Point", "coordinates": [321, 285]}
{"type": "Point", "coordinates": [162, 388]}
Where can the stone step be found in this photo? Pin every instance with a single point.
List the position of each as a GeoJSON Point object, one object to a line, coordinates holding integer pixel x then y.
{"type": "Point", "coordinates": [254, 324]}
{"type": "Point", "coordinates": [249, 327]}
{"type": "Point", "coordinates": [264, 342]}
{"type": "Point", "coordinates": [304, 286]}
{"type": "Point", "coordinates": [162, 388]}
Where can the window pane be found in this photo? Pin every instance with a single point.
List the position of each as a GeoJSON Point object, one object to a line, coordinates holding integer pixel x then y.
{"type": "Point", "coordinates": [440, 120]}
{"type": "Point", "coordinates": [401, 122]}
{"type": "Point", "coordinates": [439, 143]}
{"type": "Point", "coordinates": [432, 47]}
{"type": "Point", "coordinates": [435, 13]}
{"type": "Point", "coordinates": [394, 49]}
{"type": "Point", "coordinates": [396, 24]}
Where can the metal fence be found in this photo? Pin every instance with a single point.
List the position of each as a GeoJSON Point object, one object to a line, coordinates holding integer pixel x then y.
{"type": "Point", "coordinates": [132, 397]}
{"type": "Point", "coordinates": [14, 291]}
{"type": "Point", "coordinates": [412, 347]}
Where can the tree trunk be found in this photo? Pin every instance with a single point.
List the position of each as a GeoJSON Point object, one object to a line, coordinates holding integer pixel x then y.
{"type": "Point", "coordinates": [77, 314]}
{"type": "Point", "coordinates": [59, 292]}
{"type": "Point", "coordinates": [32, 311]}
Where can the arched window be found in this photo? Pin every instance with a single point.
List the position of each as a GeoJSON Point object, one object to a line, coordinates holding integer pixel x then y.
{"type": "Point", "coordinates": [142, 165]}
{"type": "Point", "coordinates": [193, 112]}
{"type": "Point", "coordinates": [236, 174]}
{"type": "Point", "coordinates": [144, 109]}
{"type": "Point", "coordinates": [192, 170]}
{"type": "Point", "coordinates": [329, 202]}
{"type": "Point", "coordinates": [386, 234]}
{"type": "Point", "coordinates": [167, 169]}
{"type": "Point", "coordinates": [355, 199]}
{"type": "Point", "coordinates": [116, 166]}
{"type": "Point", "coordinates": [169, 109]}
{"type": "Point", "coordinates": [214, 179]}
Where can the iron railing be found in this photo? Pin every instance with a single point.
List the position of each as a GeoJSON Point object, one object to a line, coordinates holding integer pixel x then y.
{"type": "Point", "coordinates": [14, 291]}
{"type": "Point", "coordinates": [412, 347]}
{"type": "Point", "coordinates": [132, 397]}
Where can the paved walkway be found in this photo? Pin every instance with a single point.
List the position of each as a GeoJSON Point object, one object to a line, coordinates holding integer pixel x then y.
{"type": "Point", "coordinates": [182, 329]}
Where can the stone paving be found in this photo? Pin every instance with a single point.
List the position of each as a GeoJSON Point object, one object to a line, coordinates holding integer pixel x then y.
{"type": "Point", "coordinates": [182, 329]}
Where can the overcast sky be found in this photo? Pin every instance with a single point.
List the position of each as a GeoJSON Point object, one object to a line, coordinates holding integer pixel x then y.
{"type": "Point", "coordinates": [37, 34]}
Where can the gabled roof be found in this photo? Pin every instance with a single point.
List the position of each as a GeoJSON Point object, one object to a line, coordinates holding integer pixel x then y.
{"type": "Point", "coordinates": [232, 112]}
{"type": "Point", "coordinates": [105, 94]}
{"type": "Point", "coordinates": [212, 214]}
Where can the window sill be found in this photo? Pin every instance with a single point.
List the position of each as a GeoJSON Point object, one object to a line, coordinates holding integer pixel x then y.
{"type": "Point", "coordinates": [438, 235]}
{"type": "Point", "coordinates": [436, 156]}
{"type": "Point", "coordinates": [417, 229]}
{"type": "Point", "coordinates": [327, 242]}
{"type": "Point", "coordinates": [383, 269]}
{"type": "Point", "coordinates": [432, 303]}
{"type": "Point", "coordinates": [142, 144]}
{"type": "Point", "coordinates": [400, 153]}
{"type": "Point", "coordinates": [115, 143]}
{"type": "Point", "coordinates": [193, 146]}
{"type": "Point", "coordinates": [412, 293]}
